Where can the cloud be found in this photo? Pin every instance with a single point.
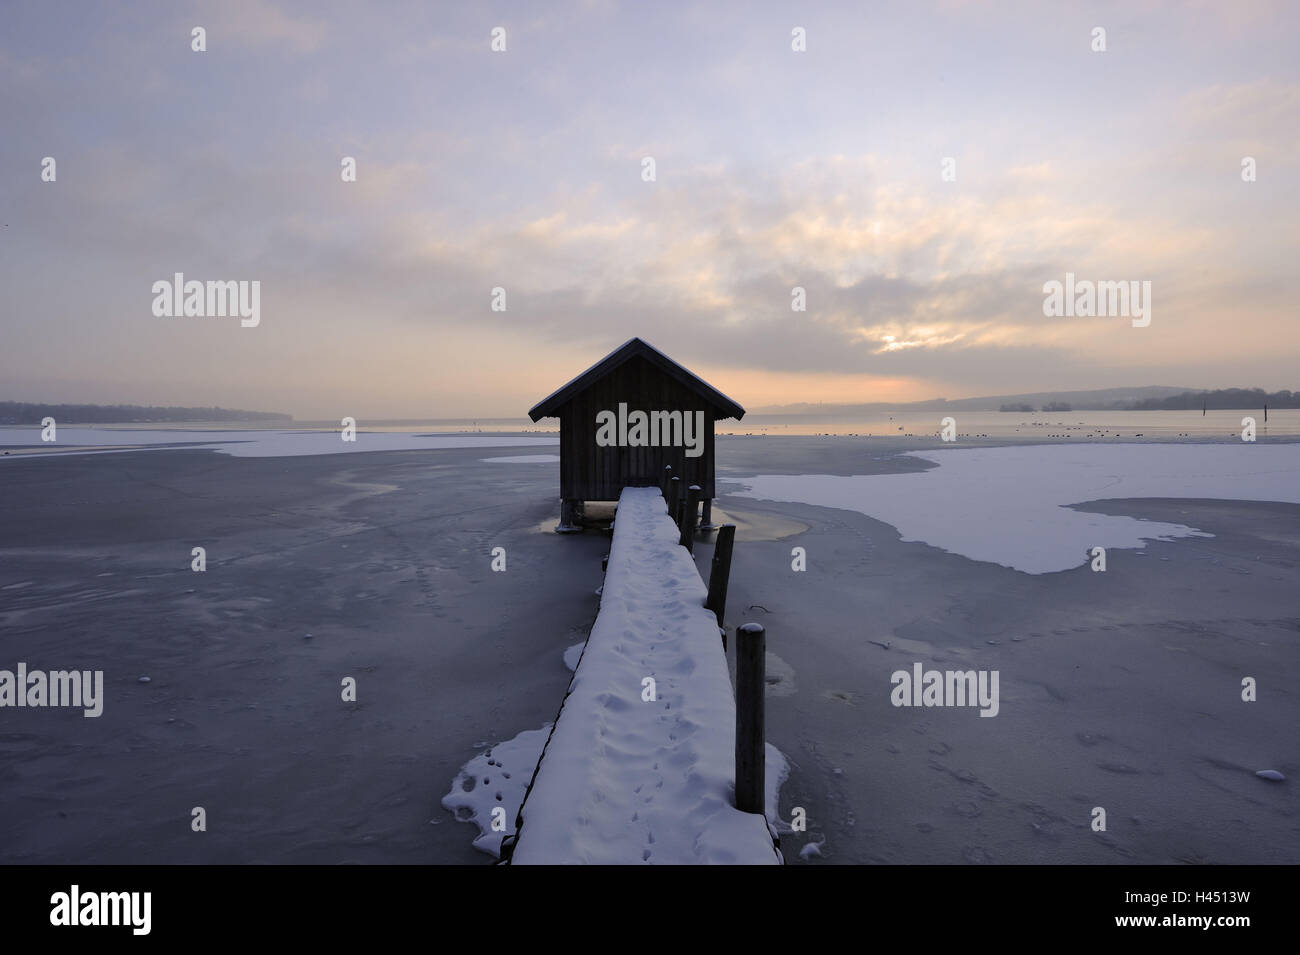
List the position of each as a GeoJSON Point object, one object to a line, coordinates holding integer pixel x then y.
{"type": "Point", "coordinates": [522, 171]}
{"type": "Point", "coordinates": [261, 23]}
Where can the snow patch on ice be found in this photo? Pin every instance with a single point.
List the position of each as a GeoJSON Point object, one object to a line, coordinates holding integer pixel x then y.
{"type": "Point", "coordinates": [1008, 505]}
{"type": "Point", "coordinates": [572, 655]}
{"type": "Point", "coordinates": [525, 459]}
{"type": "Point", "coordinates": [258, 444]}
{"type": "Point", "coordinates": [776, 771]}
{"type": "Point", "coordinates": [497, 777]}
{"type": "Point", "coordinates": [813, 850]}
{"type": "Point", "coordinates": [778, 675]}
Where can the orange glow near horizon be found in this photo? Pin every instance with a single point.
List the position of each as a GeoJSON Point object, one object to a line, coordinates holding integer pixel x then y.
{"type": "Point", "coordinates": [758, 389]}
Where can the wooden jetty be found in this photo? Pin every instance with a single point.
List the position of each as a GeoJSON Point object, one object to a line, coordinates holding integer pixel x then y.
{"type": "Point", "coordinates": [641, 763]}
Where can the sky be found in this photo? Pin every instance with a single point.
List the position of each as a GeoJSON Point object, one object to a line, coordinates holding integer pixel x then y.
{"type": "Point", "coordinates": [523, 170]}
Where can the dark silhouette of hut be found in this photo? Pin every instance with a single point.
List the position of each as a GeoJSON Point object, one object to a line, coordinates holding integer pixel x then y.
{"type": "Point", "coordinates": [628, 417]}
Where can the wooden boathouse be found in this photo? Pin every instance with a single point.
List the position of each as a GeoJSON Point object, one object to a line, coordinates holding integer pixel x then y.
{"type": "Point", "coordinates": [628, 417]}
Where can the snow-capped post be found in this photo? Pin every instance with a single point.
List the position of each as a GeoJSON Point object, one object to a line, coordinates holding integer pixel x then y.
{"type": "Point", "coordinates": [689, 516]}
{"type": "Point", "coordinates": [719, 575]}
{"type": "Point", "coordinates": [668, 476]}
{"type": "Point", "coordinates": [751, 651]}
{"type": "Point", "coordinates": [674, 493]}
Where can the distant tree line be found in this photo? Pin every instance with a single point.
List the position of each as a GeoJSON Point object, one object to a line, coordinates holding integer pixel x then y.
{"type": "Point", "coordinates": [1029, 409]}
{"type": "Point", "coordinates": [24, 412]}
{"type": "Point", "coordinates": [1225, 399]}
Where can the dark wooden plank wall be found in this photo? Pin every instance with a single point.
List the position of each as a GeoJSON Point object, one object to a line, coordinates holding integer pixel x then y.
{"type": "Point", "coordinates": [591, 473]}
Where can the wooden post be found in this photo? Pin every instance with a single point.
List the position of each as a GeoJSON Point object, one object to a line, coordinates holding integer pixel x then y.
{"type": "Point", "coordinates": [706, 515]}
{"type": "Point", "coordinates": [667, 479]}
{"type": "Point", "coordinates": [568, 517]}
{"type": "Point", "coordinates": [751, 649]}
{"type": "Point", "coordinates": [689, 517]}
{"type": "Point", "coordinates": [674, 491]}
{"type": "Point", "coordinates": [720, 573]}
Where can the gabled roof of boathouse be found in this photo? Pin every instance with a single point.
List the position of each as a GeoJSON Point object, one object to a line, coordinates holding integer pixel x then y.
{"type": "Point", "coordinates": [549, 406]}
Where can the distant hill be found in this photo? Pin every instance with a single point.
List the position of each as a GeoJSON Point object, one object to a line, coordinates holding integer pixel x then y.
{"type": "Point", "coordinates": [1097, 400]}
{"type": "Point", "coordinates": [26, 412]}
{"type": "Point", "coordinates": [1225, 399]}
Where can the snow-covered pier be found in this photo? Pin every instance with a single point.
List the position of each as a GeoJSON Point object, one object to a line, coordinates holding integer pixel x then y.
{"type": "Point", "coordinates": [640, 765]}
